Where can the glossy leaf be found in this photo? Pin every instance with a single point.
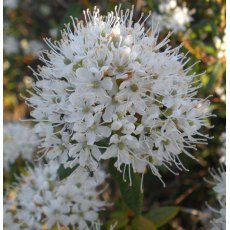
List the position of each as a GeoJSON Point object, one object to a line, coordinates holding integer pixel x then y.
{"type": "Point", "coordinates": [74, 10]}
{"type": "Point", "coordinates": [119, 217]}
{"type": "Point", "coordinates": [132, 195]}
{"type": "Point", "coordinates": [141, 223]}
{"type": "Point", "coordinates": [216, 74]}
{"type": "Point", "coordinates": [161, 216]}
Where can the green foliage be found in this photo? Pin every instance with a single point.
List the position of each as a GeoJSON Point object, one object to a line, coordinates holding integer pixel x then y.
{"type": "Point", "coordinates": [74, 10]}
{"type": "Point", "coordinates": [217, 72]}
{"type": "Point", "coordinates": [119, 217]}
{"type": "Point", "coordinates": [141, 223]}
{"type": "Point", "coordinates": [65, 172]}
{"type": "Point", "coordinates": [161, 216]}
{"type": "Point", "coordinates": [131, 195]}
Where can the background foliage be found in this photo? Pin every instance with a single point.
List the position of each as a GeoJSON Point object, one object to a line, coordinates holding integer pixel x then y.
{"type": "Point", "coordinates": [182, 202]}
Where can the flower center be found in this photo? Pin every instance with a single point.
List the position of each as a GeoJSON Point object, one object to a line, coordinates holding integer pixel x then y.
{"type": "Point", "coordinates": [67, 61]}
{"type": "Point", "coordinates": [166, 142]}
{"type": "Point", "coordinates": [100, 63]}
{"type": "Point", "coordinates": [62, 147]}
{"type": "Point", "coordinates": [94, 126]}
{"type": "Point", "coordinates": [121, 145]}
{"type": "Point", "coordinates": [134, 87]}
{"type": "Point", "coordinates": [120, 68]}
{"type": "Point", "coordinates": [114, 101]}
{"type": "Point", "coordinates": [76, 66]}
{"type": "Point", "coordinates": [86, 109]}
{"type": "Point", "coordinates": [56, 212]}
{"type": "Point", "coordinates": [85, 145]}
{"type": "Point", "coordinates": [7, 137]}
{"type": "Point", "coordinates": [95, 84]}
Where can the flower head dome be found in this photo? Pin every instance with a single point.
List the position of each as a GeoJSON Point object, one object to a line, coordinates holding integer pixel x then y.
{"type": "Point", "coordinates": [43, 200]}
{"type": "Point", "coordinates": [109, 89]}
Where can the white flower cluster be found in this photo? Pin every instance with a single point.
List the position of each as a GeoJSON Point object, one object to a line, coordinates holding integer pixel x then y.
{"type": "Point", "coordinates": [171, 16]}
{"type": "Point", "coordinates": [219, 182]}
{"type": "Point", "coordinates": [108, 89]}
{"type": "Point", "coordinates": [42, 200]}
{"type": "Point", "coordinates": [19, 141]}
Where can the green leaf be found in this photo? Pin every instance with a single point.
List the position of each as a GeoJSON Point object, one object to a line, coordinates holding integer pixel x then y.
{"type": "Point", "coordinates": [218, 70]}
{"type": "Point", "coordinates": [209, 49]}
{"type": "Point", "coordinates": [141, 223]}
{"type": "Point", "coordinates": [132, 195]}
{"type": "Point", "coordinates": [121, 217]}
{"type": "Point", "coordinates": [65, 172]}
{"type": "Point", "coordinates": [214, 28]}
{"type": "Point", "coordinates": [163, 215]}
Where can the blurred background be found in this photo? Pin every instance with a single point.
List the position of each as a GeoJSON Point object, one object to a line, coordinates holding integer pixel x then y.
{"type": "Point", "coordinates": [198, 24]}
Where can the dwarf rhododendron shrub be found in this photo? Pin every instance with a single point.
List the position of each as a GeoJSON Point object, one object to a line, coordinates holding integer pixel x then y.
{"type": "Point", "coordinates": [109, 89]}
{"type": "Point", "coordinates": [43, 201]}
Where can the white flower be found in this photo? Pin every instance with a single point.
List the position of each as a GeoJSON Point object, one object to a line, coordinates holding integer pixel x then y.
{"type": "Point", "coordinates": [125, 124]}
{"type": "Point", "coordinates": [99, 225]}
{"type": "Point", "coordinates": [171, 16]}
{"type": "Point", "coordinates": [92, 82]}
{"type": "Point", "coordinates": [117, 93]}
{"type": "Point", "coordinates": [95, 132]}
{"type": "Point", "coordinates": [10, 222]}
{"type": "Point", "coordinates": [57, 212]}
{"type": "Point", "coordinates": [219, 180]}
{"type": "Point", "coordinates": [82, 152]}
{"type": "Point", "coordinates": [19, 141]}
{"type": "Point", "coordinates": [133, 91]}
{"type": "Point", "coordinates": [219, 187]}
{"type": "Point", "coordinates": [83, 108]}
{"type": "Point", "coordinates": [122, 148]}
{"type": "Point", "coordinates": [61, 147]}
{"type": "Point", "coordinates": [43, 200]}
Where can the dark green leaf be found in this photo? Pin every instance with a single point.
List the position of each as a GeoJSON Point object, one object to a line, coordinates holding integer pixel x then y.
{"type": "Point", "coordinates": [218, 70]}
{"type": "Point", "coordinates": [65, 172]}
{"type": "Point", "coordinates": [207, 48]}
{"type": "Point", "coordinates": [161, 216]}
{"type": "Point", "coordinates": [141, 223]}
{"type": "Point", "coordinates": [121, 218]}
{"type": "Point", "coordinates": [214, 28]}
{"type": "Point", "coordinates": [132, 195]}
{"type": "Point", "coordinates": [75, 10]}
